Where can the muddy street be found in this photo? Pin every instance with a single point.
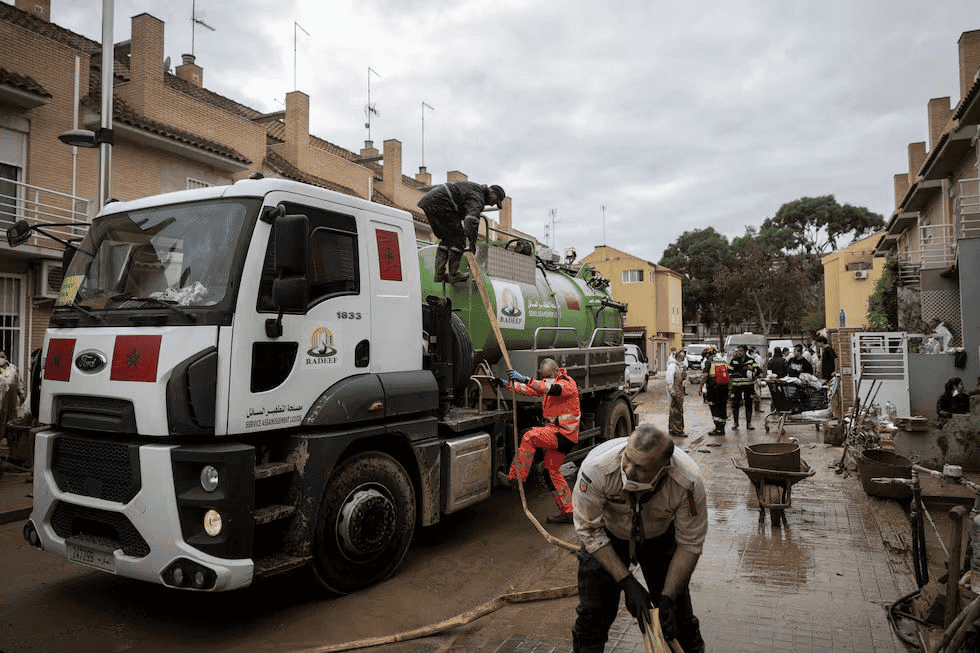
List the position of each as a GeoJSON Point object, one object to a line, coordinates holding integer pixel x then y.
{"type": "Point", "coordinates": [819, 583]}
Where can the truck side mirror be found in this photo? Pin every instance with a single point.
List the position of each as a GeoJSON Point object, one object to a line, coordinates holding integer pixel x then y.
{"type": "Point", "coordinates": [18, 233]}
{"type": "Point", "coordinates": [290, 288]}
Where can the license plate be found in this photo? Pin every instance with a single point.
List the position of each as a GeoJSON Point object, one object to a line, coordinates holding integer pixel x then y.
{"type": "Point", "coordinates": [86, 555]}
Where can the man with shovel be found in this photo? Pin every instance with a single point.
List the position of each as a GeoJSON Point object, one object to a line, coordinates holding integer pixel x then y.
{"type": "Point", "coordinates": [638, 500]}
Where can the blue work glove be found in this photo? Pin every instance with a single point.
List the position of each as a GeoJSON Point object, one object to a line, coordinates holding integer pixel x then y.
{"type": "Point", "coordinates": [637, 600]}
{"type": "Point", "coordinates": [668, 617]}
{"type": "Point", "coordinates": [517, 377]}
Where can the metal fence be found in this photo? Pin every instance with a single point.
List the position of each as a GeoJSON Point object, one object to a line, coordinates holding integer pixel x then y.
{"type": "Point", "coordinates": [39, 205]}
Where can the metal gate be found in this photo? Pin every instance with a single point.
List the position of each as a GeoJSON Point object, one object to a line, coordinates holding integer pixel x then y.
{"type": "Point", "coordinates": [882, 357]}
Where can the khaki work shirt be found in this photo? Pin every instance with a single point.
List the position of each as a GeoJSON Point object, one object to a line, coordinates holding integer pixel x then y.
{"type": "Point", "coordinates": [601, 504]}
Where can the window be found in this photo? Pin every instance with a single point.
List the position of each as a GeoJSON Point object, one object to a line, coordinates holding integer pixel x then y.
{"type": "Point", "coordinates": [632, 276]}
{"type": "Point", "coordinates": [333, 266]}
{"type": "Point", "coordinates": [11, 327]}
{"type": "Point", "coordinates": [8, 194]}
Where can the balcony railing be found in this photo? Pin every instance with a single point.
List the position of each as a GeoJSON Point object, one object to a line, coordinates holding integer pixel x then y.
{"type": "Point", "coordinates": [937, 246]}
{"type": "Point", "coordinates": [39, 205]}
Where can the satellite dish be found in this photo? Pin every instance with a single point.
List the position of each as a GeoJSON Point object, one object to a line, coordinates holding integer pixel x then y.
{"type": "Point", "coordinates": [166, 65]}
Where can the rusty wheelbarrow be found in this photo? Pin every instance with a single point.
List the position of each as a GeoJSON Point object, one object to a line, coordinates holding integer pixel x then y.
{"type": "Point", "coordinates": [773, 469]}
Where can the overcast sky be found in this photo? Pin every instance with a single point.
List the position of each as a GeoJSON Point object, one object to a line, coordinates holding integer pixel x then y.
{"type": "Point", "coordinates": [673, 115]}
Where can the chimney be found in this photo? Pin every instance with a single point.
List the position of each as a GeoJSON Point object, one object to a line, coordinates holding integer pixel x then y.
{"type": "Point", "coordinates": [423, 177]}
{"type": "Point", "coordinates": [901, 187]}
{"type": "Point", "coordinates": [506, 221]}
{"type": "Point", "coordinates": [391, 171]}
{"type": "Point", "coordinates": [37, 8]}
{"type": "Point", "coordinates": [190, 71]}
{"type": "Point", "coordinates": [369, 150]}
{"type": "Point", "coordinates": [917, 156]}
{"type": "Point", "coordinates": [297, 128]}
{"type": "Point", "coordinates": [969, 59]}
{"type": "Point", "coordinates": [939, 113]}
{"type": "Point", "coordinates": [455, 175]}
{"type": "Point", "coordinates": [146, 61]}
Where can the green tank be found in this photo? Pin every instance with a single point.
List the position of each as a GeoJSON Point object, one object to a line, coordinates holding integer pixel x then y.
{"type": "Point", "coordinates": [539, 305]}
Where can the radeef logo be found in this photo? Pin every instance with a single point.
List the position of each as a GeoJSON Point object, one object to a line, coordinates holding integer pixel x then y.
{"type": "Point", "coordinates": [321, 343]}
{"type": "Point", "coordinates": [509, 305]}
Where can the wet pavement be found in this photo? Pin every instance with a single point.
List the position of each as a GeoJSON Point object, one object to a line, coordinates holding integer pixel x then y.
{"type": "Point", "coordinates": [822, 581]}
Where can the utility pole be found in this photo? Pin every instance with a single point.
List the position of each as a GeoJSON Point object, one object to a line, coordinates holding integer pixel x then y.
{"type": "Point", "coordinates": [296, 25]}
{"type": "Point", "coordinates": [603, 225]}
{"type": "Point", "coordinates": [554, 232]}
{"type": "Point", "coordinates": [369, 109]}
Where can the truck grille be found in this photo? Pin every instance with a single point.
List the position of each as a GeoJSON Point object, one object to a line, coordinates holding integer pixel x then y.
{"type": "Point", "coordinates": [101, 526]}
{"type": "Point", "coordinates": [96, 468]}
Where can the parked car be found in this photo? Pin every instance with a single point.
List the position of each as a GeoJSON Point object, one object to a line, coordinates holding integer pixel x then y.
{"type": "Point", "coordinates": [637, 375]}
{"type": "Point", "coordinates": [694, 356]}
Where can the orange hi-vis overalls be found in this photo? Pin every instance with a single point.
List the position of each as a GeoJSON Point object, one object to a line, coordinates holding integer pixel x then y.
{"type": "Point", "coordinates": [563, 415]}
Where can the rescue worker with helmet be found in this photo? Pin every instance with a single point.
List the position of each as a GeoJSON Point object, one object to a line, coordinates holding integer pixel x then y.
{"type": "Point", "coordinates": [560, 406]}
{"type": "Point", "coordinates": [638, 500]}
{"type": "Point", "coordinates": [453, 210]}
{"type": "Point", "coordinates": [715, 384]}
{"type": "Point", "coordinates": [743, 372]}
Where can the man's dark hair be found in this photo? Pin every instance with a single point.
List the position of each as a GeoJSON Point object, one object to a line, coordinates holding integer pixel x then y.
{"type": "Point", "coordinates": [821, 339]}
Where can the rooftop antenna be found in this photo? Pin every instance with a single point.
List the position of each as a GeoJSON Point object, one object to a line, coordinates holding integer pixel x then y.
{"type": "Point", "coordinates": [554, 233]}
{"type": "Point", "coordinates": [603, 225]}
{"type": "Point", "coordinates": [195, 21]}
{"type": "Point", "coordinates": [369, 109]}
{"type": "Point", "coordinates": [424, 105]}
{"type": "Point", "coordinates": [296, 25]}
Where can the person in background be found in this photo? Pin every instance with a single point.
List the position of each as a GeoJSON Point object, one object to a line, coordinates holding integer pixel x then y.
{"type": "Point", "coordinates": [676, 377]}
{"type": "Point", "coordinates": [798, 364]}
{"type": "Point", "coordinates": [942, 334]}
{"type": "Point", "coordinates": [828, 358]}
{"type": "Point", "coordinates": [743, 373]}
{"type": "Point", "coordinates": [976, 390]}
{"type": "Point", "coordinates": [777, 364]}
{"type": "Point", "coordinates": [953, 401]}
{"type": "Point", "coordinates": [714, 385]}
{"type": "Point", "coordinates": [12, 392]}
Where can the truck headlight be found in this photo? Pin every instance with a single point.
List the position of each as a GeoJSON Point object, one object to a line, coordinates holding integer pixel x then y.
{"type": "Point", "coordinates": [212, 523]}
{"type": "Point", "coordinates": [209, 478]}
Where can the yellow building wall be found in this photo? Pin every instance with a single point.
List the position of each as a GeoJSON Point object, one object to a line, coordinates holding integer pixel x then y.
{"type": "Point", "coordinates": [842, 290]}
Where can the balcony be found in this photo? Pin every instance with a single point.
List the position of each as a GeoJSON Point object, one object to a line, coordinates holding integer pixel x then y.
{"type": "Point", "coordinates": [937, 247]}
{"type": "Point", "coordinates": [68, 214]}
{"type": "Point", "coordinates": [966, 211]}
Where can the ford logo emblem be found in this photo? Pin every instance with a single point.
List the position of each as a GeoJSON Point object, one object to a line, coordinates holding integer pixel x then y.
{"type": "Point", "coordinates": [90, 362]}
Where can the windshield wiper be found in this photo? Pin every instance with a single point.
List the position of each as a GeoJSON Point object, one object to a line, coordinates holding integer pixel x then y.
{"type": "Point", "coordinates": [156, 301]}
{"type": "Point", "coordinates": [76, 307]}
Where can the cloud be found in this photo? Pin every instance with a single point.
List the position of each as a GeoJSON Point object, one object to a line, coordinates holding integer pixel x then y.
{"type": "Point", "coordinates": [674, 116]}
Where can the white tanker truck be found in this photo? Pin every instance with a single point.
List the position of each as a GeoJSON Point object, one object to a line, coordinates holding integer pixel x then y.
{"type": "Point", "coordinates": [243, 380]}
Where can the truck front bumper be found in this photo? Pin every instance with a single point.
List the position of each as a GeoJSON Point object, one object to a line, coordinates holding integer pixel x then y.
{"type": "Point", "coordinates": [141, 538]}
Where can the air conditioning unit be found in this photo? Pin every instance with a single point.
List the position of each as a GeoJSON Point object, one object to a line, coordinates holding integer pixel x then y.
{"type": "Point", "coordinates": [860, 274]}
{"type": "Point", "coordinates": [49, 279]}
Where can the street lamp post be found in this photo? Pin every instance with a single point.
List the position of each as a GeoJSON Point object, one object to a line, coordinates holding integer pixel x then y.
{"type": "Point", "coordinates": [101, 138]}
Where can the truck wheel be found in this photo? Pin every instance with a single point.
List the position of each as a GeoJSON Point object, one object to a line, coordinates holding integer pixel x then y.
{"type": "Point", "coordinates": [646, 382]}
{"type": "Point", "coordinates": [365, 525]}
{"type": "Point", "coordinates": [619, 423]}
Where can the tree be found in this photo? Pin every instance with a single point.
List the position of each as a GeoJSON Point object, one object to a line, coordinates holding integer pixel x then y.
{"type": "Point", "coordinates": [699, 255]}
{"type": "Point", "coordinates": [815, 224]}
{"type": "Point", "coordinates": [883, 303]}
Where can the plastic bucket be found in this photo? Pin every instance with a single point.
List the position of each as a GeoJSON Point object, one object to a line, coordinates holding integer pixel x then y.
{"type": "Point", "coordinates": [879, 463]}
{"type": "Point", "coordinates": [775, 456]}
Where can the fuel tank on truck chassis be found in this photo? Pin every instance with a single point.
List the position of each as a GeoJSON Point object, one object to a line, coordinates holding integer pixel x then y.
{"type": "Point", "coordinates": [543, 309]}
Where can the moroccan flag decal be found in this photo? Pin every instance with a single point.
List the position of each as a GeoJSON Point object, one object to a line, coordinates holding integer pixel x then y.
{"type": "Point", "coordinates": [57, 364]}
{"type": "Point", "coordinates": [389, 258]}
{"type": "Point", "coordinates": [134, 358]}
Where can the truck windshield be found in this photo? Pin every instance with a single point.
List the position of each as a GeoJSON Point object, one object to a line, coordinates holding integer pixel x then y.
{"type": "Point", "coordinates": [179, 254]}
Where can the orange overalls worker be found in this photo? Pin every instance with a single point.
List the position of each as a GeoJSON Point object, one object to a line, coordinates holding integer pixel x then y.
{"type": "Point", "coordinates": [561, 410]}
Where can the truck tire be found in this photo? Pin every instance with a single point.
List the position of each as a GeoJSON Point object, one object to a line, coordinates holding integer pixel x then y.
{"type": "Point", "coordinates": [365, 525]}
{"type": "Point", "coordinates": [646, 382]}
{"type": "Point", "coordinates": [619, 422]}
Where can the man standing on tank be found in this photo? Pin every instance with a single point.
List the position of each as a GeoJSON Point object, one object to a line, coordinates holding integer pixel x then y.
{"type": "Point", "coordinates": [453, 210]}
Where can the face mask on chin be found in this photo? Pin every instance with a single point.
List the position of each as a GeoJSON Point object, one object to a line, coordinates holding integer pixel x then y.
{"type": "Point", "coordinates": [635, 486]}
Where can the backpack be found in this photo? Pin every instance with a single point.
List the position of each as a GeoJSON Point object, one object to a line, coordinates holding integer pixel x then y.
{"type": "Point", "coordinates": [721, 373]}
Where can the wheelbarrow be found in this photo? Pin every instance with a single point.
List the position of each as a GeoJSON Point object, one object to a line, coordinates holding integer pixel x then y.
{"type": "Point", "coordinates": [773, 469]}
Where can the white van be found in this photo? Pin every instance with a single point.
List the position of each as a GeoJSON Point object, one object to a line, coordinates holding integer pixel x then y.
{"type": "Point", "coordinates": [637, 375]}
{"type": "Point", "coordinates": [749, 340]}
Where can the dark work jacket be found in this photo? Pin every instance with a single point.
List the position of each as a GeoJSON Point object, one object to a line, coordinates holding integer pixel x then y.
{"type": "Point", "coordinates": [777, 365]}
{"type": "Point", "coordinates": [950, 403]}
{"type": "Point", "coordinates": [447, 204]}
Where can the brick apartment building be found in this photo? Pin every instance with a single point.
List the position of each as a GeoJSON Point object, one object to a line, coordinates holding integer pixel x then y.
{"type": "Point", "coordinates": [170, 133]}
{"type": "Point", "coordinates": [934, 234]}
